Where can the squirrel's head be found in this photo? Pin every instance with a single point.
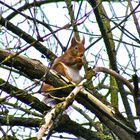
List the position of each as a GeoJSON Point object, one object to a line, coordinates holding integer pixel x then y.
{"type": "Point", "coordinates": [77, 48]}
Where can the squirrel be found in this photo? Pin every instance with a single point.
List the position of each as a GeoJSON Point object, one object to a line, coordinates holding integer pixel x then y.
{"type": "Point", "coordinates": [68, 65]}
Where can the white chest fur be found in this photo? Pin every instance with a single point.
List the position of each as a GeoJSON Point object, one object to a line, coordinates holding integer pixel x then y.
{"type": "Point", "coordinates": [74, 74]}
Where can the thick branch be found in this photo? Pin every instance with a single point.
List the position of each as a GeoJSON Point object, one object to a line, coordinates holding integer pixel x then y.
{"type": "Point", "coordinates": [65, 125]}
{"type": "Point", "coordinates": [23, 96]}
{"type": "Point", "coordinates": [104, 26]}
{"type": "Point", "coordinates": [85, 98]}
{"type": "Point", "coordinates": [116, 75]}
{"type": "Point", "coordinates": [35, 69]}
{"type": "Point", "coordinates": [20, 121]}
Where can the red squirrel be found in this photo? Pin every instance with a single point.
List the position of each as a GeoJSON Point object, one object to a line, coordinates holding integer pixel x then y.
{"type": "Point", "coordinates": [68, 65]}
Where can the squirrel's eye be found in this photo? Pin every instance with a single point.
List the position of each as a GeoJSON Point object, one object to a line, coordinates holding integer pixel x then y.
{"type": "Point", "coordinates": [75, 51]}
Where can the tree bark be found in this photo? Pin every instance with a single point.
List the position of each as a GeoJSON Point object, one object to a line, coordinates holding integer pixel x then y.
{"type": "Point", "coordinates": [35, 69]}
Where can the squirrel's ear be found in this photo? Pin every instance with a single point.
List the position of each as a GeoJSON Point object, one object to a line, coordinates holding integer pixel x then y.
{"type": "Point", "coordinates": [83, 41]}
{"type": "Point", "coordinates": [73, 41]}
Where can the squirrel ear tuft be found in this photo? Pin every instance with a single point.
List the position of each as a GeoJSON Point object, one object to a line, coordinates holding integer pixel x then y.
{"type": "Point", "coordinates": [73, 41]}
{"type": "Point", "coordinates": [83, 41]}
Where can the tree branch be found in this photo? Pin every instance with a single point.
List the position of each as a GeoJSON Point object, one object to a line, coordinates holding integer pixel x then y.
{"type": "Point", "coordinates": [36, 70]}
{"type": "Point", "coordinates": [65, 125]}
{"type": "Point", "coordinates": [104, 26]}
{"type": "Point", "coordinates": [29, 39]}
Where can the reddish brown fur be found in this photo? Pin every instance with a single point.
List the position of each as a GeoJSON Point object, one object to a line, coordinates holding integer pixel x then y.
{"type": "Point", "coordinates": [73, 57]}
{"type": "Point", "coordinates": [70, 62]}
